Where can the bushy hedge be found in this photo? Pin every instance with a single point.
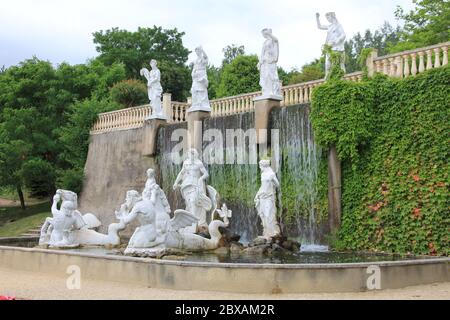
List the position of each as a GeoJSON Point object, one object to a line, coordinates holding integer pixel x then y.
{"type": "Point", "coordinates": [393, 138]}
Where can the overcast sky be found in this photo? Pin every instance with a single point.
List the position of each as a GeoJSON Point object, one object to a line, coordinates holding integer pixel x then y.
{"type": "Point", "coordinates": [61, 30]}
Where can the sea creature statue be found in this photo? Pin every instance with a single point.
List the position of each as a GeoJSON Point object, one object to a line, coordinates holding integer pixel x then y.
{"type": "Point", "coordinates": [68, 228]}
{"type": "Point", "coordinates": [198, 196]}
{"type": "Point", "coordinates": [335, 39]}
{"type": "Point", "coordinates": [155, 90]}
{"type": "Point", "coordinates": [269, 80]}
{"type": "Point", "coordinates": [158, 232]}
{"type": "Point", "coordinates": [200, 83]}
{"type": "Point", "coordinates": [265, 200]}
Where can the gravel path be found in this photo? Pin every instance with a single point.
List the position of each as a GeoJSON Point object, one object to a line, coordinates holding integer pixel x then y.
{"type": "Point", "coordinates": [29, 285]}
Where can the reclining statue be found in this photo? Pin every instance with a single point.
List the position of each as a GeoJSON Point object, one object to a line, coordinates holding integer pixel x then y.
{"type": "Point", "coordinates": [68, 228]}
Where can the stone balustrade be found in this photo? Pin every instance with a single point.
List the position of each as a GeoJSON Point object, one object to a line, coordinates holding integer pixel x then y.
{"type": "Point", "coordinates": [178, 112]}
{"type": "Point", "coordinates": [412, 62]}
{"type": "Point", "coordinates": [402, 64]}
{"type": "Point", "coordinates": [124, 119]}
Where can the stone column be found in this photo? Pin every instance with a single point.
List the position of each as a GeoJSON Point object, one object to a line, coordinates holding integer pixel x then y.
{"type": "Point", "coordinates": [151, 127]}
{"type": "Point", "coordinates": [167, 106]}
{"type": "Point", "coordinates": [263, 106]}
{"type": "Point", "coordinates": [334, 189]}
{"type": "Point", "coordinates": [370, 64]}
{"type": "Point", "coordinates": [195, 129]}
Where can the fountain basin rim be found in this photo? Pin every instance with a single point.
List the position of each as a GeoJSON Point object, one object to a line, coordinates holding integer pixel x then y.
{"type": "Point", "coordinates": [411, 262]}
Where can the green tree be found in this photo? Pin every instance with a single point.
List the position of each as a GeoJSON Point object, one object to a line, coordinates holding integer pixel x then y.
{"type": "Point", "coordinates": [427, 24]}
{"type": "Point", "coordinates": [136, 49]}
{"type": "Point", "coordinates": [74, 136]}
{"type": "Point", "coordinates": [240, 76]}
{"type": "Point", "coordinates": [231, 52]}
{"type": "Point", "coordinates": [381, 40]}
{"type": "Point", "coordinates": [311, 71]}
{"type": "Point", "coordinates": [129, 93]}
{"type": "Point", "coordinates": [34, 101]}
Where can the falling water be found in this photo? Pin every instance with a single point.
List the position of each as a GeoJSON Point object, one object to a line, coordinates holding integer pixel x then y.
{"type": "Point", "coordinates": [237, 184]}
{"type": "Point", "coordinates": [298, 173]}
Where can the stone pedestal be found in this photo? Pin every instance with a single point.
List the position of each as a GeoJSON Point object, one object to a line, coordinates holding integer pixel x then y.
{"type": "Point", "coordinates": [195, 129]}
{"type": "Point", "coordinates": [334, 189]}
{"type": "Point", "coordinates": [151, 127]}
{"type": "Point", "coordinates": [263, 106]}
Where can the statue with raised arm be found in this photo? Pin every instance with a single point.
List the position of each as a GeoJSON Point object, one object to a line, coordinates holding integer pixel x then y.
{"type": "Point", "coordinates": [155, 89]}
{"type": "Point", "coordinates": [192, 182]}
{"type": "Point", "coordinates": [265, 200]}
{"type": "Point", "coordinates": [269, 80]}
{"type": "Point", "coordinates": [57, 231]}
{"type": "Point", "coordinates": [335, 38]}
{"type": "Point", "coordinates": [200, 83]}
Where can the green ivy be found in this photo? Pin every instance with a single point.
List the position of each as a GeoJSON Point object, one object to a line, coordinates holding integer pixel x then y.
{"type": "Point", "coordinates": [392, 137]}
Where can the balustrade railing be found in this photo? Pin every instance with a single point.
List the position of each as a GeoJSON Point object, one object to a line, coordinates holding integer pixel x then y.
{"type": "Point", "coordinates": [412, 62]}
{"type": "Point", "coordinates": [402, 64]}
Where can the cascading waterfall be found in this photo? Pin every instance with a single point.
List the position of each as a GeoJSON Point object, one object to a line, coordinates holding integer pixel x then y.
{"type": "Point", "coordinates": [238, 183]}
{"type": "Point", "coordinates": [298, 169]}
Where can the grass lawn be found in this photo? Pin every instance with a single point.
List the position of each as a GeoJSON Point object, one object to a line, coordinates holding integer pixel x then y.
{"type": "Point", "coordinates": [20, 226]}
{"type": "Point", "coordinates": [14, 221]}
{"type": "Point", "coordinates": [11, 214]}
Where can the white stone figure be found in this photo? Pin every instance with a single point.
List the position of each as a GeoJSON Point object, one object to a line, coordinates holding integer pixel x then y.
{"type": "Point", "coordinates": [265, 200]}
{"type": "Point", "coordinates": [147, 241]}
{"type": "Point", "coordinates": [192, 182]}
{"type": "Point", "coordinates": [56, 231]}
{"type": "Point", "coordinates": [157, 197]}
{"type": "Point", "coordinates": [200, 83]}
{"type": "Point", "coordinates": [335, 38]}
{"type": "Point", "coordinates": [155, 90]}
{"type": "Point", "coordinates": [269, 80]}
{"type": "Point", "coordinates": [68, 228]}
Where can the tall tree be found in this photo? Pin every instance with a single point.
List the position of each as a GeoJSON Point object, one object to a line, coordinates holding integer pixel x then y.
{"type": "Point", "coordinates": [240, 76]}
{"type": "Point", "coordinates": [381, 40]}
{"type": "Point", "coordinates": [136, 49]}
{"type": "Point", "coordinates": [427, 24]}
{"type": "Point", "coordinates": [231, 52]}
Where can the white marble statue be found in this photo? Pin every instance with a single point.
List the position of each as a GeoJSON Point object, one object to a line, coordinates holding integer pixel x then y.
{"type": "Point", "coordinates": [157, 234]}
{"type": "Point", "coordinates": [200, 83]}
{"type": "Point", "coordinates": [68, 228]}
{"type": "Point", "coordinates": [335, 38]}
{"type": "Point", "coordinates": [269, 80]}
{"type": "Point", "coordinates": [157, 197]}
{"type": "Point", "coordinates": [198, 196]}
{"type": "Point", "coordinates": [265, 200]}
{"type": "Point", "coordinates": [155, 90]}
{"type": "Point", "coordinates": [56, 230]}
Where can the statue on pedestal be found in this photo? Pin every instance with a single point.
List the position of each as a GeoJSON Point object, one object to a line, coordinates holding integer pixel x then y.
{"type": "Point", "coordinates": [265, 200]}
{"type": "Point", "coordinates": [335, 39]}
{"type": "Point", "coordinates": [200, 83]}
{"type": "Point", "coordinates": [269, 80]}
{"type": "Point", "coordinates": [155, 90]}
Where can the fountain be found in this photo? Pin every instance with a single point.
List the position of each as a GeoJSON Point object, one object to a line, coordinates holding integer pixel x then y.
{"type": "Point", "coordinates": [218, 225]}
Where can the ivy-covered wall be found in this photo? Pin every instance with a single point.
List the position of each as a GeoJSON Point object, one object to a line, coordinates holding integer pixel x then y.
{"type": "Point", "coordinates": [392, 136]}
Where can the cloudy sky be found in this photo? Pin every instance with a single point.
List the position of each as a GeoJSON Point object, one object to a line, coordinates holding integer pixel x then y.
{"type": "Point", "coordinates": [61, 30]}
